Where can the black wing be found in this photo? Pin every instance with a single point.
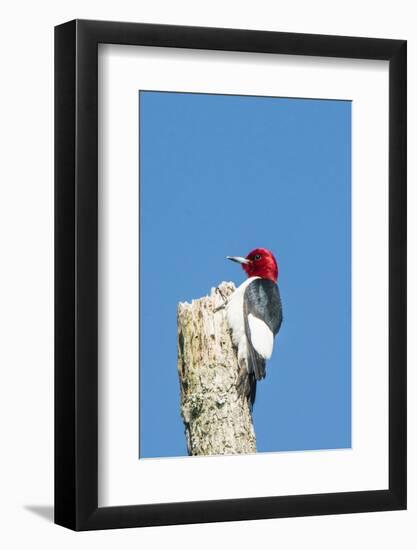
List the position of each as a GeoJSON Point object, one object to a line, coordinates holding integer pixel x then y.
{"type": "Point", "coordinates": [262, 300]}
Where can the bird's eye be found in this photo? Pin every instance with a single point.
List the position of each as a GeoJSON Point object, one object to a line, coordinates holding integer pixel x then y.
{"type": "Point", "coordinates": [257, 257]}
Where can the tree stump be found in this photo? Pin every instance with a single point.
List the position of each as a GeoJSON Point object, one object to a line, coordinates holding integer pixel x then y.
{"type": "Point", "coordinates": [217, 416]}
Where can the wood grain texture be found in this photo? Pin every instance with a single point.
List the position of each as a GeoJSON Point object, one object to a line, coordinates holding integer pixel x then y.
{"type": "Point", "coordinates": [215, 410]}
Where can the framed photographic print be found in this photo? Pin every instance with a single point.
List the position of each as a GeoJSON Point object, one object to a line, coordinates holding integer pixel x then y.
{"type": "Point", "coordinates": [230, 253]}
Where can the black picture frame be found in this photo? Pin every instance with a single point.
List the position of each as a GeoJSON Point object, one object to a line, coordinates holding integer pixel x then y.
{"type": "Point", "coordinates": [76, 272]}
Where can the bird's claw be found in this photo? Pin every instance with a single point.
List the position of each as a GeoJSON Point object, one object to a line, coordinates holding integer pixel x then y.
{"type": "Point", "coordinates": [222, 306]}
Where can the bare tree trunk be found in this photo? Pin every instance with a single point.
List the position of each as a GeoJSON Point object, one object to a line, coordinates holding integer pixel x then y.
{"type": "Point", "coordinates": [216, 415]}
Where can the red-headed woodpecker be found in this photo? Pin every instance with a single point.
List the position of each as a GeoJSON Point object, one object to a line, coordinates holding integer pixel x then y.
{"type": "Point", "coordinates": [254, 314]}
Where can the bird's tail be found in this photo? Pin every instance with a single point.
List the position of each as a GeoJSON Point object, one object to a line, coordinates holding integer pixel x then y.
{"type": "Point", "coordinates": [256, 363]}
{"type": "Point", "coordinates": [252, 389]}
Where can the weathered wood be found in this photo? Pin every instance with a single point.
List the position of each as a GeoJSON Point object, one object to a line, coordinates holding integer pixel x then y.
{"type": "Point", "coordinates": [216, 413]}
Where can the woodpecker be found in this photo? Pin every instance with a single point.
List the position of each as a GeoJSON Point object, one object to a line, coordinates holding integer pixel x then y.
{"type": "Point", "coordinates": [254, 314]}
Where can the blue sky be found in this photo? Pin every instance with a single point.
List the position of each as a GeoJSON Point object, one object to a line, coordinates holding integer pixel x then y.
{"type": "Point", "coordinates": [221, 175]}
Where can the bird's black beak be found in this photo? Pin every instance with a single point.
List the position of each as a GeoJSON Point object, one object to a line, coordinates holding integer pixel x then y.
{"type": "Point", "coordinates": [238, 259]}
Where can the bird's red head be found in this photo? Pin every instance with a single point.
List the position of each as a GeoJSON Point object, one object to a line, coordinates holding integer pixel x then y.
{"type": "Point", "coordinates": [260, 262]}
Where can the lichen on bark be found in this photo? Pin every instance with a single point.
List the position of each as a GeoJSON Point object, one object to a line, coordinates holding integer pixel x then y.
{"type": "Point", "coordinates": [216, 414]}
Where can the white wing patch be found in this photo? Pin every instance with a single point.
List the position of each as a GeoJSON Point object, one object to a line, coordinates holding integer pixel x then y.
{"type": "Point", "coordinates": [261, 336]}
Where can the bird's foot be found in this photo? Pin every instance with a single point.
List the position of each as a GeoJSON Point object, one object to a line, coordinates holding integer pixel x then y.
{"type": "Point", "coordinates": [224, 304]}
